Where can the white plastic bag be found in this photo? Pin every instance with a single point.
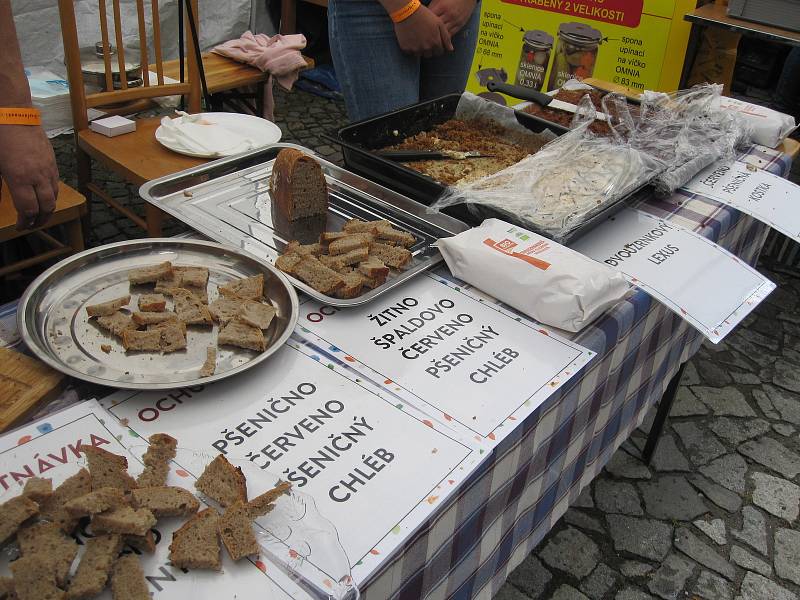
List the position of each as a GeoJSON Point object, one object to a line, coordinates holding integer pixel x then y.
{"type": "Point", "coordinates": [548, 282]}
{"type": "Point", "coordinates": [768, 127]}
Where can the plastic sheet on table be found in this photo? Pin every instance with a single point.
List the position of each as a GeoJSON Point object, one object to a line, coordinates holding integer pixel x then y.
{"type": "Point", "coordinates": [565, 184]}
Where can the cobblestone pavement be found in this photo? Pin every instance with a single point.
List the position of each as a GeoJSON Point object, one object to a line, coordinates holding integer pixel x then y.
{"type": "Point", "coordinates": [713, 517]}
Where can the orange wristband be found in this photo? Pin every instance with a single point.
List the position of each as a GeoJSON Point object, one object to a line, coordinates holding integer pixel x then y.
{"type": "Point", "coordinates": [402, 14]}
{"type": "Point", "coordinates": [20, 116]}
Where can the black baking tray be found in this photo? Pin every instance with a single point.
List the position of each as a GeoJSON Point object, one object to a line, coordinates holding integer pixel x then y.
{"type": "Point", "coordinates": [359, 141]}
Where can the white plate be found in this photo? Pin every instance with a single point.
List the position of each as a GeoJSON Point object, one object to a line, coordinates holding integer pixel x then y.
{"type": "Point", "coordinates": [262, 131]}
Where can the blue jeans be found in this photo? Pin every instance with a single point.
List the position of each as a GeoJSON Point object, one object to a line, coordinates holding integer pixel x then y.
{"type": "Point", "coordinates": [375, 75]}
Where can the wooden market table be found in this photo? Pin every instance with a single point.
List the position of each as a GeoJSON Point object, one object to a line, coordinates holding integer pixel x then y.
{"type": "Point", "coordinates": [480, 534]}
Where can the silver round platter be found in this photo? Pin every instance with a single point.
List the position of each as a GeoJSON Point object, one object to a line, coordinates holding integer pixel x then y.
{"type": "Point", "coordinates": [54, 324]}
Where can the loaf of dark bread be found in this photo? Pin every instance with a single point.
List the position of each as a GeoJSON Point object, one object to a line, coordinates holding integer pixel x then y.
{"type": "Point", "coordinates": [298, 185]}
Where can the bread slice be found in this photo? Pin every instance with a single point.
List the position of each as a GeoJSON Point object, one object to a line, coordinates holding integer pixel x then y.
{"type": "Point", "coordinates": [150, 274]}
{"type": "Point", "coordinates": [96, 501]}
{"type": "Point", "coordinates": [152, 318]}
{"type": "Point", "coordinates": [262, 504]}
{"type": "Point", "coordinates": [34, 579]}
{"type": "Point", "coordinates": [108, 469]}
{"type": "Point", "coordinates": [288, 262]}
{"type": "Point", "coordinates": [359, 226]}
{"type": "Point", "coordinates": [190, 309]}
{"type": "Point", "coordinates": [340, 261]}
{"type": "Point", "coordinates": [318, 276]}
{"type": "Point", "coordinates": [143, 543]}
{"type": "Point", "coordinates": [47, 540]}
{"type": "Point", "coordinates": [242, 335]}
{"type": "Point", "coordinates": [257, 314]}
{"type": "Point", "coordinates": [52, 509]}
{"type": "Point", "coordinates": [353, 283]}
{"type": "Point", "coordinates": [225, 309]}
{"type": "Point", "coordinates": [127, 579]}
{"type": "Point", "coordinates": [14, 513]}
{"type": "Point", "coordinates": [95, 566]}
{"type": "Point", "coordinates": [196, 544]}
{"type": "Point", "coordinates": [326, 237]}
{"type": "Point", "coordinates": [165, 501]}
{"type": "Point", "coordinates": [295, 247]}
{"type": "Point", "coordinates": [38, 489]}
{"type": "Point", "coordinates": [374, 267]}
{"type": "Point", "coordinates": [236, 532]}
{"type": "Point", "coordinates": [251, 288]}
{"type": "Point", "coordinates": [223, 482]}
{"type": "Point", "coordinates": [173, 337]}
{"type": "Point", "coordinates": [169, 323]}
{"type": "Point", "coordinates": [156, 459]}
{"type": "Point", "coordinates": [152, 303]}
{"type": "Point", "coordinates": [298, 185]}
{"type": "Point", "coordinates": [124, 519]}
{"type": "Point", "coordinates": [192, 277]}
{"type": "Point", "coordinates": [393, 256]}
{"type": "Point", "coordinates": [174, 282]}
{"type": "Point", "coordinates": [117, 324]}
{"type": "Point", "coordinates": [7, 588]}
{"type": "Point", "coordinates": [147, 341]}
{"type": "Point", "coordinates": [105, 309]}
{"type": "Point", "coordinates": [350, 243]}
{"type": "Point", "coordinates": [210, 365]}
{"type": "Point", "coordinates": [402, 238]}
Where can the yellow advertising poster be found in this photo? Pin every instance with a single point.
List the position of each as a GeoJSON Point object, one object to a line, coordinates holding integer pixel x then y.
{"type": "Point", "coordinates": [539, 44]}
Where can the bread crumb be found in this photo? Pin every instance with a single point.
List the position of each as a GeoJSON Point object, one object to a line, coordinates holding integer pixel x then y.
{"type": "Point", "coordinates": [105, 348]}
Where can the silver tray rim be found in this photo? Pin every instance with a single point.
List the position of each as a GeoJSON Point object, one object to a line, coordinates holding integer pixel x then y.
{"type": "Point", "coordinates": [448, 224]}
{"type": "Point", "coordinates": [32, 344]}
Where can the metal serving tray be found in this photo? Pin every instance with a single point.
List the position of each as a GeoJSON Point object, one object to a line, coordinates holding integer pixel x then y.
{"type": "Point", "coordinates": [229, 201]}
{"type": "Point", "coordinates": [360, 140]}
{"type": "Point", "coordinates": [53, 321]}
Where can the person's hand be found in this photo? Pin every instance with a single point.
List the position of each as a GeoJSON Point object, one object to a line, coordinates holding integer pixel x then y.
{"type": "Point", "coordinates": [28, 168]}
{"type": "Point", "coordinates": [453, 13]}
{"type": "Point", "coordinates": [423, 34]}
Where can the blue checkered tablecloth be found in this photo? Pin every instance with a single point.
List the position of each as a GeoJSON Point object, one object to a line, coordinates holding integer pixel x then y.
{"type": "Point", "coordinates": [474, 541]}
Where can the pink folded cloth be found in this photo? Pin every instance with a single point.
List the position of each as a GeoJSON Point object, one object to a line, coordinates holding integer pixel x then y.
{"type": "Point", "coordinates": [278, 55]}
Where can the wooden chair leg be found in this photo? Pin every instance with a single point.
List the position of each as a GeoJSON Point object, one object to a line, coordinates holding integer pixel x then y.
{"type": "Point", "coordinates": [155, 220]}
{"type": "Point", "coordinates": [75, 235]}
{"type": "Point", "coordinates": [84, 168]}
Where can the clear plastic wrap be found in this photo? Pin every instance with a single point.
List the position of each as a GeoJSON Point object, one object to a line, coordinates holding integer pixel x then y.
{"type": "Point", "coordinates": [683, 132]}
{"type": "Point", "coordinates": [562, 186]}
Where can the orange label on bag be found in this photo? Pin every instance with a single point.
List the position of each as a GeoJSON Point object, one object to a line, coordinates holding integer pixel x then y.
{"type": "Point", "coordinates": [507, 247]}
{"type": "Point", "coordinates": [20, 116]}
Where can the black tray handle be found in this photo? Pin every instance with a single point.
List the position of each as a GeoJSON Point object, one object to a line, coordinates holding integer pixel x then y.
{"type": "Point", "coordinates": [523, 93]}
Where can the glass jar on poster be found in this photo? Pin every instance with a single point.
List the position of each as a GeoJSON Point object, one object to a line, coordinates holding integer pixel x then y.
{"type": "Point", "coordinates": [535, 57]}
{"type": "Point", "coordinates": [575, 54]}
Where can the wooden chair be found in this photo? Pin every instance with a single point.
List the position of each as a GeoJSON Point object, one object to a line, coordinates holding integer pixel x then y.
{"type": "Point", "coordinates": [70, 209]}
{"type": "Point", "coordinates": [137, 157]}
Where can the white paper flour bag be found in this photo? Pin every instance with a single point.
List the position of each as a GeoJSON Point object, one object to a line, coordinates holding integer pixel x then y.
{"type": "Point", "coordinates": [548, 282]}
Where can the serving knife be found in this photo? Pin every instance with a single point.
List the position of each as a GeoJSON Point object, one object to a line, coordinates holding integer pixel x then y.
{"type": "Point", "coordinates": [540, 98]}
{"type": "Point", "coordinates": [412, 155]}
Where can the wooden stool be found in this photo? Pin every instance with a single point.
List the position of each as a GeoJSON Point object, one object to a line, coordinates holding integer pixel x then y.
{"type": "Point", "coordinates": [70, 208]}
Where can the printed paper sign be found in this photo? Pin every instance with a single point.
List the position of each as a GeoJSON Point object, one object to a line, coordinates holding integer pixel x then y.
{"type": "Point", "coordinates": [50, 448]}
{"type": "Point", "coordinates": [375, 471]}
{"type": "Point", "coordinates": [705, 284]}
{"type": "Point", "coordinates": [767, 197]}
{"type": "Point", "coordinates": [461, 359]}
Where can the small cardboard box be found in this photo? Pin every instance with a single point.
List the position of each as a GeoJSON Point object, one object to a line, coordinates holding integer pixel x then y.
{"type": "Point", "coordinates": [113, 126]}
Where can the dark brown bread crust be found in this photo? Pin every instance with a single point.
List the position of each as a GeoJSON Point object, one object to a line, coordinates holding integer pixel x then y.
{"type": "Point", "coordinates": [281, 180]}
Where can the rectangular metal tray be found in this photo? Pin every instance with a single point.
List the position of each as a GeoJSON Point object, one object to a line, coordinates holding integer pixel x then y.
{"type": "Point", "coordinates": [228, 200]}
{"type": "Point", "coordinates": [360, 140]}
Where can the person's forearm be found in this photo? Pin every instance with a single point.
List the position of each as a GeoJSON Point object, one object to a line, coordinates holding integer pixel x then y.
{"type": "Point", "coordinates": [14, 89]}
